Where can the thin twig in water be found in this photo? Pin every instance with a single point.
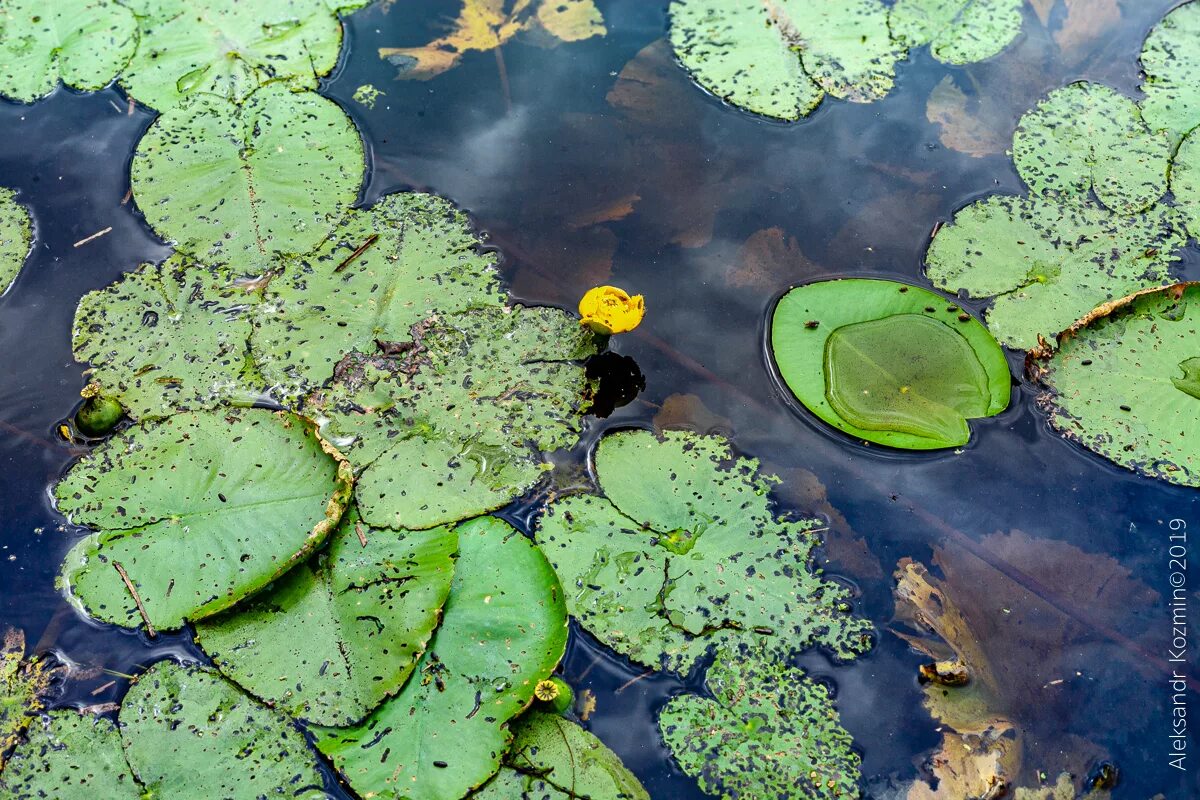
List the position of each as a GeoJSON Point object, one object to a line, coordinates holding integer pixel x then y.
{"type": "Point", "coordinates": [503, 70]}
{"type": "Point", "coordinates": [128, 195]}
{"type": "Point", "coordinates": [362, 537]}
{"type": "Point", "coordinates": [100, 689]}
{"type": "Point", "coordinates": [136, 598]}
{"type": "Point", "coordinates": [362, 248]}
{"type": "Point", "coordinates": [95, 235]}
{"type": "Point", "coordinates": [632, 681]}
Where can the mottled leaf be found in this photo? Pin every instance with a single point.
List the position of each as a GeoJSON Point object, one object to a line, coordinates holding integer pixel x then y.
{"type": "Point", "coordinates": [200, 510]}
{"type": "Point", "coordinates": [22, 683]}
{"type": "Point", "coordinates": [15, 236]}
{"type": "Point", "coordinates": [1185, 181]}
{"type": "Point", "coordinates": [69, 754]}
{"type": "Point", "coordinates": [957, 31]}
{"type": "Point", "coordinates": [1171, 61]}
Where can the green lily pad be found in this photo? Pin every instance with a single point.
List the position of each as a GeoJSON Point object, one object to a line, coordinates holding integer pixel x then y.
{"type": "Point", "coordinates": [16, 233]}
{"type": "Point", "coordinates": [684, 552]}
{"type": "Point", "coordinates": [200, 511]}
{"type": "Point", "coordinates": [242, 186]}
{"type": "Point", "coordinates": [456, 421]}
{"type": "Point", "coordinates": [421, 257]}
{"type": "Point", "coordinates": [69, 754]}
{"type": "Point", "coordinates": [504, 628]}
{"type": "Point", "coordinates": [188, 732]}
{"type": "Point", "coordinates": [229, 48]}
{"type": "Point", "coordinates": [169, 338]}
{"type": "Point", "coordinates": [779, 59]}
{"type": "Point", "coordinates": [1185, 181]}
{"type": "Point", "coordinates": [957, 31]}
{"type": "Point", "coordinates": [1171, 62]}
{"type": "Point", "coordinates": [22, 683]}
{"type": "Point", "coordinates": [1125, 386]}
{"type": "Point", "coordinates": [367, 611]}
{"type": "Point", "coordinates": [1087, 136]}
{"type": "Point", "coordinates": [84, 44]}
{"type": "Point", "coordinates": [554, 759]}
{"type": "Point", "coordinates": [887, 362]}
{"type": "Point", "coordinates": [1047, 264]}
{"type": "Point", "coordinates": [768, 731]}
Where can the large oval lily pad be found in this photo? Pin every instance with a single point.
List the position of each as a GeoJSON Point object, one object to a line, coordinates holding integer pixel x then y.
{"type": "Point", "coordinates": [1171, 62]}
{"type": "Point", "coordinates": [768, 731]}
{"type": "Point", "coordinates": [1048, 263]}
{"type": "Point", "coordinates": [685, 552]}
{"type": "Point", "coordinates": [69, 754]}
{"type": "Point", "coordinates": [1087, 136]}
{"type": "Point", "coordinates": [242, 186]}
{"type": "Point", "coordinates": [15, 237]}
{"type": "Point", "coordinates": [84, 44]}
{"type": "Point", "coordinates": [199, 511]}
{"type": "Point", "coordinates": [367, 607]}
{"type": "Point", "coordinates": [780, 58]}
{"type": "Point", "coordinates": [190, 733]}
{"type": "Point", "coordinates": [167, 338]}
{"type": "Point", "coordinates": [1125, 383]}
{"type": "Point", "coordinates": [887, 362]}
{"type": "Point", "coordinates": [504, 628]}
{"type": "Point", "coordinates": [957, 31]}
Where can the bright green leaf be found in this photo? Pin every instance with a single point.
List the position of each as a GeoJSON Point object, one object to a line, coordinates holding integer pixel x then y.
{"type": "Point", "coordinates": [504, 628]}
{"type": "Point", "coordinates": [69, 754]}
{"type": "Point", "coordinates": [243, 186]}
{"type": "Point", "coordinates": [911, 400]}
{"type": "Point", "coordinates": [15, 237]}
{"type": "Point", "coordinates": [957, 31]}
{"type": "Point", "coordinates": [200, 511]}
{"type": "Point", "coordinates": [1190, 382]}
{"type": "Point", "coordinates": [1171, 62]}
{"type": "Point", "coordinates": [366, 612]}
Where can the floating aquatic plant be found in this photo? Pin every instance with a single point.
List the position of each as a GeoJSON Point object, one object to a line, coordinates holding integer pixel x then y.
{"type": "Point", "coordinates": [23, 682]}
{"type": "Point", "coordinates": [15, 235]}
{"type": "Point", "coordinates": [69, 748]}
{"type": "Point", "coordinates": [1171, 60]}
{"type": "Point", "coordinates": [887, 362]}
{"type": "Point", "coordinates": [608, 310]}
{"type": "Point", "coordinates": [957, 31]}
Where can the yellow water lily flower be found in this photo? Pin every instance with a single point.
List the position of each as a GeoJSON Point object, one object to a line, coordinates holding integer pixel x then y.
{"type": "Point", "coordinates": [608, 310]}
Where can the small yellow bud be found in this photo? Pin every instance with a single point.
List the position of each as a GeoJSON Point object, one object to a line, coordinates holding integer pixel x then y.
{"type": "Point", "coordinates": [608, 310]}
{"type": "Point", "coordinates": [546, 691]}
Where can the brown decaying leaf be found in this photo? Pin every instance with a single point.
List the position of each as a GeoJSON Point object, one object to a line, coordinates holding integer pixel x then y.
{"type": "Point", "coordinates": [962, 126]}
{"type": "Point", "coordinates": [771, 259]}
{"type": "Point", "coordinates": [608, 211]}
{"type": "Point", "coordinates": [1086, 22]}
{"type": "Point", "coordinates": [687, 412]}
{"type": "Point", "coordinates": [587, 704]}
{"type": "Point", "coordinates": [652, 87]}
{"type": "Point", "coordinates": [1043, 8]}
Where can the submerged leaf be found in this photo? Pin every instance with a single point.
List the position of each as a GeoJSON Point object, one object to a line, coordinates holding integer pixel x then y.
{"type": "Point", "coordinates": [957, 31]}
{"type": "Point", "coordinates": [243, 186]}
{"type": "Point", "coordinates": [1047, 263]}
{"type": "Point", "coordinates": [188, 732]}
{"type": "Point", "coordinates": [15, 237]}
{"type": "Point", "coordinates": [83, 43]}
{"type": "Point", "coordinates": [768, 731]}
{"type": "Point", "coordinates": [684, 552]}
{"type": "Point", "coordinates": [1171, 62]}
{"type": "Point", "coordinates": [367, 608]}
{"type": "Point", "coordinates": [69, 749]}
{"type": "Point", "coordinates": [199, 511]}
{"type": "Point", "coordinates": [963, 128]}
{"type": "Point", "coordinates": [504, 629]}
{"type": "Point", "coordinates": [887, 362]}
{"type": "Point", "coordinates": [1087, 136]}
{"type": "Point", "coordinates": [1124, 385]}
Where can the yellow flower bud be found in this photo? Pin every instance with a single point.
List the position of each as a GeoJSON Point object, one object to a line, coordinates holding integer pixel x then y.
{"type": "Point", "coordinates": [608, 310]}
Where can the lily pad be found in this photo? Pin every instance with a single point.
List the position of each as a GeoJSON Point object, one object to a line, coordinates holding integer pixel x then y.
{"type": "Point", "coordinates": [1123, 384]}
{"type": "Point", "coordinates": [15, 236]}
{"type": "Point", "coordinates": [780, 58]}
{"type": "Point", "coordinates": [1171, 61]}
{"type": "Point", "coordinates": [685, 552]}
{"type": "Point", "coordinates": [1185, 181]}
{"type": "Point", "coordinates": [199, 511]}
{"type": "Point", "coordinates": [22, 684]}
{"type": "Point", "coordinates": [69, 754]}
{"type": "Point", "coordinates": [957, 31]}
{"type": "Point", "coordinates": [169, 338]}
{"type": "Point", "coordinates": [1048, 263]}
{"type": "Point", "coordinates": [552, 758]}
{"type": "Point", "coordinates": [768, 731]}
{"type": "Point", "coordinates": [455, 421]}
{"type": "Point", "coordinates": [367, 608]}
{"type": "Point", "coordinates": [187, 731]}
{"type": "Point", "coordinates": [504, 628]}
{"type": "Point", "coordinates": [242, 186]}
{"type": "Point", "coordinates": [887, 362]}
{"type": "Point", "coordinates": [229, 48]}
{"type": "Point", "coordinates": [1087, 136]}
{"type": "Point", "coordinates": [84, 44]}
{"type": "Point", "coordinates": [422, 257]}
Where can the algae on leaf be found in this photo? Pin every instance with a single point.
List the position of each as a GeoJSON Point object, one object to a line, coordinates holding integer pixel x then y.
{"type": "Point", "coordinates": [1048, 263]}
{"type": "Point", "coordinates": [15, 237]}
{"type": "Point", "coordinates": [1171, 62]}
{"type": "Point", "coordinates": [168, 338]}
{"type": "Point", "coordinates": [1087, 136]}
{"type": "Point", "coordinates": [84, 44]}
{"type": "Point", "coordinates": [684, 551]}
{"type": "Point", "coordinates": [69, 754]}
{"type": "Point", "coordinates": [504, 628]}
{"type": "Point", "coordinates": [1123, 384]}
{"type": "Point", "coordinates": [188, 732]}
{"type": "Point", "coordinates": [768, 731]}
{"type": "Point", "coordinates": [199, 511]}
{"type": "Point", "coordinates": [367, 607]}
{"type": "Point", "coordinates": [957, 31]}
{"type": "Point", "coordinates": [22, 683]}
{"type": "Point", "coordinates": [887, 362]}
{"type": "Point", "coordinates": [242, 186]}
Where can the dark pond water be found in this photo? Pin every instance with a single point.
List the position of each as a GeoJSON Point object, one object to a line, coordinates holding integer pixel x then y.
{"type": "Point", "coordinates": [546, 156]}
